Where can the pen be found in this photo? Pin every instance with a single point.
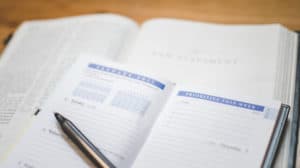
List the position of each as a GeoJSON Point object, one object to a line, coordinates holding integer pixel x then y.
{"type": "Point", "coordinates": [82, 142]}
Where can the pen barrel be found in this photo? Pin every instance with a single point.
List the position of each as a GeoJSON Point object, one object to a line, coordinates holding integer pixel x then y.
{"type": "Point", "coordinates": [86, 146]}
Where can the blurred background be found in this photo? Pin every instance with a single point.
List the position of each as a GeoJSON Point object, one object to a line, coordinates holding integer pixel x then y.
{"type": "Point", "coordinates": [286, 12]}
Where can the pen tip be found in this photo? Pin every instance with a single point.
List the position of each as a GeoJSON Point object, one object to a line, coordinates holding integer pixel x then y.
{"type": "Point", "coordinates": [59, 117]}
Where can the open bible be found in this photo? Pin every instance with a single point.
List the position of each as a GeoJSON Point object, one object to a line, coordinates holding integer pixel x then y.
{"type": "Point", "coordinates": [257, 61]}
{"type": "Point", "coordinates": [142, 121]}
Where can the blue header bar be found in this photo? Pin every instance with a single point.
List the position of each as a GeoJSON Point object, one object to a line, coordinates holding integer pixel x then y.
{"type": "Point", "coordinates": [128, 74]}
{"type": "Point", "coordinates": [222, 100]}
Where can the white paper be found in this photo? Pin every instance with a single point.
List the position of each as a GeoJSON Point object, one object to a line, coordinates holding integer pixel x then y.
{"type": "Point", "coordinates": [240, 59]}
{"type": "Point", "coordinates": [201, 129]}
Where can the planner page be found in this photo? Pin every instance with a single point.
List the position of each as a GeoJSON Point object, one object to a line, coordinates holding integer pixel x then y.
{"type": "Point", "coordinates": [200, 128]}
{"type": "Point", "coordinates": [108, 104]}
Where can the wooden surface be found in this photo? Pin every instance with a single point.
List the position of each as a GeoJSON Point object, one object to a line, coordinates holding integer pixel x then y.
{"type": "Point", "coordinates": [286, 12]}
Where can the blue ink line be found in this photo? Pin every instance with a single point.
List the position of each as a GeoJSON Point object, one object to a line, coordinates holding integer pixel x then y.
{"type": "Point", "coordinates": [222, 100]}
{"type": "Point", "coordinates": [128, 74]}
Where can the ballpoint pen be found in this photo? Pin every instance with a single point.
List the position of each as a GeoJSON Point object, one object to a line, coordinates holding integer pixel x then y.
{"type": "Point", "coordinates": [83, 143]}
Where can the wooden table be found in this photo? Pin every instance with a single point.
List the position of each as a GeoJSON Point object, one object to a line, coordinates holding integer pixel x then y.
{"type": "Point", "coordinates": [286, 12]}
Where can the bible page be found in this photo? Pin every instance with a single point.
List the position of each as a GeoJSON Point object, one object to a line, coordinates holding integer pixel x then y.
{"type": "Point", "coordinates": [200, 128]}
{"type": "Point", "coordinates": [108, 104]}
{"type": "Point", "coordinates": [236, 58]}
{"type": "Point", "coordinates": [40, 53]}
